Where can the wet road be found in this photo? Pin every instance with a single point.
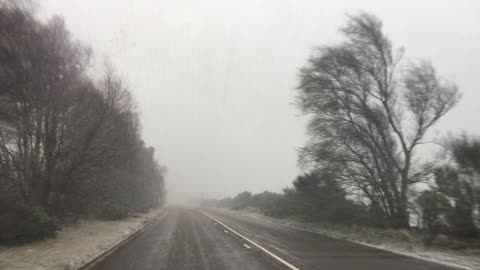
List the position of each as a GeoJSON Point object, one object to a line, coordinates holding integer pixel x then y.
{"type": "Point", "coordinates": [189, 239]}
{"type": "Point", "coordinates": [185, 239]}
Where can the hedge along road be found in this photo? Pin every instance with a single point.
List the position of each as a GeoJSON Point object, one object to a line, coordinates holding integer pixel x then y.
{"type": "Point", "coordinates": [190, 239]}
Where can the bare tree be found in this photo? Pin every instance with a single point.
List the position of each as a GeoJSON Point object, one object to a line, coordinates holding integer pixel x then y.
{"type": "Point", "coordinates": [65, 137]}
{"type": "Point", "coordinates": [369, 114]}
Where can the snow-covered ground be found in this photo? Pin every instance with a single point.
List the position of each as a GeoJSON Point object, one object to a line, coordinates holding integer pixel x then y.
{"type": "Point", "coordinates": [74, 245]}
{"type": "Point", "coordinates": [390, 240]}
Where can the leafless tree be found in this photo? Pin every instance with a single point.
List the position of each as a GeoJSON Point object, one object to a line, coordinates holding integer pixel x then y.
{"type": "Point", "coordinates": [66, 139]}
{"type": "Point", "coordinates": [369, 114]}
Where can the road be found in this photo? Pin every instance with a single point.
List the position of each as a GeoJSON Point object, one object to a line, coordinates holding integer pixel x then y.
{"type": "Point", "coordinates": [196, 240]}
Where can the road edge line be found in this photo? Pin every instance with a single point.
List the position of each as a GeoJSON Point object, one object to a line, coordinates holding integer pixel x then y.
{"type": "Point", "coordinates": [396, 252]}
{"type": "Point", "coordinates": [271, 254]}
{"type": "Point", "coordinates": [92, 262]}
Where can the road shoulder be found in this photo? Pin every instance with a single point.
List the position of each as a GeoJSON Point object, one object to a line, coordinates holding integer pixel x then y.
{"type": "Point", "coordinates": [74, 245]}
{"type": "Point", "coordinates": [459, 259]}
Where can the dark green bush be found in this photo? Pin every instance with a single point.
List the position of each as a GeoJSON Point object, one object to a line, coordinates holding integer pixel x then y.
{"type": "Point", "coordinates": [112, 211]}
{"type": "Point", "coordinates": [22, 223]}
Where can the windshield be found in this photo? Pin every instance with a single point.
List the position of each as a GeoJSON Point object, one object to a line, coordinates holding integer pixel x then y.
{"type": "Point", "coordinates": [159, 134]}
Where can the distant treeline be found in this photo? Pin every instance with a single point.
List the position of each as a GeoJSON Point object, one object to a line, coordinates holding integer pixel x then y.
{"type": "Point", "coordinates": [370, 112]}
{"type": "Point", "coordinates": [70, 143]}
{"type": "Point", "coordinates": [314, 197]}
{"type": "Point", "coordinates": [318, 197]}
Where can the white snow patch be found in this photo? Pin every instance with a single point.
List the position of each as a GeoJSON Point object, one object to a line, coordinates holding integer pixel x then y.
{"type": "Point", "coordinates": [74, 245]}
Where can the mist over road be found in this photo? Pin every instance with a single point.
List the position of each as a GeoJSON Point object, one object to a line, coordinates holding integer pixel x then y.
{"type": "Point", "coordinates": [193, 239]}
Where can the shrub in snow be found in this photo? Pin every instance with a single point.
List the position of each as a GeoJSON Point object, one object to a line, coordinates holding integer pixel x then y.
{"type": "Point", "coordinates": [113, 211]}
{"type": "Point", "coordinates": [21, 223]}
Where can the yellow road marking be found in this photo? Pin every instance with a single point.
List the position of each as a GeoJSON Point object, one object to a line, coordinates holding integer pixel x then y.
{"type": "Point", "coordinates": [289, 265]}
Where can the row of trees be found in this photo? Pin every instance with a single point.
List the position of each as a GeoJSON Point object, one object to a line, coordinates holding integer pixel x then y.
{"type": "Point", "coordinates": [313, 197]}
{"type": "Point", "coordinates": [69, 144]}
{"type": "Point", "coordinates": [369, 114]}
{"type": "Point", "coordinates": [453, 192]}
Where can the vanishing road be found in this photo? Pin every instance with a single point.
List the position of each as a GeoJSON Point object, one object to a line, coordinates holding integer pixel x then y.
{"type": "Point", "coordinates": [195, 240]}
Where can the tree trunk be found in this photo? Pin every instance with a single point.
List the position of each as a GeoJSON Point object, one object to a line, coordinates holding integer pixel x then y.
{"type": "Point", "coordinates": [401, 218]}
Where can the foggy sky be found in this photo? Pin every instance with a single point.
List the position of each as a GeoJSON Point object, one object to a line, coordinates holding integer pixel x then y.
{"type": "Point", "coordinates": [214, 80]}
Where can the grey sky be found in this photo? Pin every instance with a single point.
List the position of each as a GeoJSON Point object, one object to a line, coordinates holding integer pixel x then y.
{"type": "Point", "coordinates": [214, 78]}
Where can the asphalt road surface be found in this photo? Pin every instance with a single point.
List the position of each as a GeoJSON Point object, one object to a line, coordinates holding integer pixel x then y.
{"type": "Point", "coordinates": [195, 240]}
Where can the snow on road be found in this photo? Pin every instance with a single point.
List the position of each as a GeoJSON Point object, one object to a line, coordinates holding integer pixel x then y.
{"type": "Point", "coordinates": [74, 245]}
